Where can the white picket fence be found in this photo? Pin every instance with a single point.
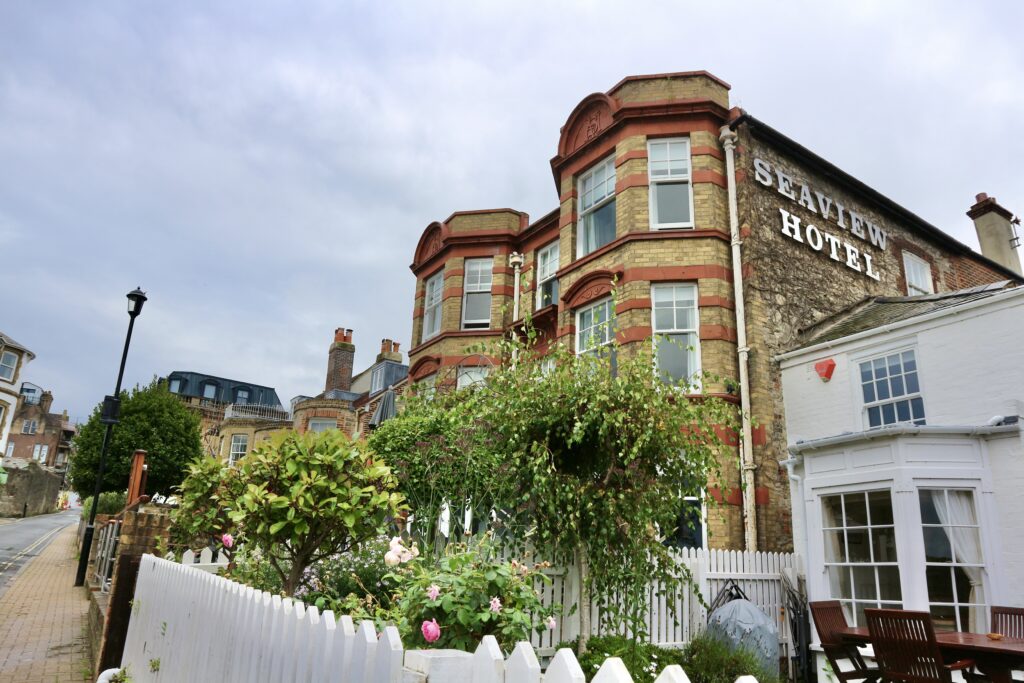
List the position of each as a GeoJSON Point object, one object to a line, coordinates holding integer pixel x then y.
{"type": "Point", "coordinates": [191, 625]}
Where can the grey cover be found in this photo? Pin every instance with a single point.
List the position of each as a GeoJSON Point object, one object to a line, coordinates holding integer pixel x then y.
{"type": "Point", "coordinates": [740, 623]}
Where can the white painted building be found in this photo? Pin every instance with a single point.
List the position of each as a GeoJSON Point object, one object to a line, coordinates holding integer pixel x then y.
{"type": "Point", "coordinates": [906, 454]}
{"type": "Point", "coordinates": [13, 358]}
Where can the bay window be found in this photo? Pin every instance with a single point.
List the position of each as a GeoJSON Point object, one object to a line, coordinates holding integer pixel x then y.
{"type": "Point", "coordinates": [668, 169]}
{"type": "Point", "coordinates": [860, 551]}
{"type": "Point", "coordinates": [594, 327]}
{"type": "Point", "coordinates": [596, 189]}
{"type": "Point", "coordinates": [322, 424]}
{"type": "Point", "coordinates": [674, 321]}
{"type": "Point", "coordinates": [476, 296]}
{"type": "Point", "coordinates": [8, 364]}
{"type": "Point", "coordinates": [239, 445]}
{"type": "Point", "coordinates": [547, 283]}
{"type": "Point", "coordinates": [432, 306]}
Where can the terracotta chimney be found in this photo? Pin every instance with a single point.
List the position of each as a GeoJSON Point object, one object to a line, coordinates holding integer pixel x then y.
{"type": "Point", "coordinates": [389, 351]}
{"type": "Point", "coordinates": [997, 233]}
{"type": "Point", "coordinates": [339, 361]}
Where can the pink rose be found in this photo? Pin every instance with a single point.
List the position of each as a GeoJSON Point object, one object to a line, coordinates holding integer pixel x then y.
{"type": "Point", "coordinates": [228, 540]}
{"type": "Point", "coordinates": [431, 631]}
{"type": "Point", "coordinates": [495, 604]}
{"type": "Point", "coordinates": [391, 558]}
{"type": "Point", "coordinates": [551, 623]}
{"type": "Point", "coordinates": [433, 591]}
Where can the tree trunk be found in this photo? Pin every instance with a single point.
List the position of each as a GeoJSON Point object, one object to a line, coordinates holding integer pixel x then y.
{"type": "Point", "coordinates": [294, 578]}
{"type": "Point", "coordinates": [583, 569]}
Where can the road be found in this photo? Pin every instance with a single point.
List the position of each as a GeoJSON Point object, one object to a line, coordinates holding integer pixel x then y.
{"type": "Point", "coordinates": [23, 539]}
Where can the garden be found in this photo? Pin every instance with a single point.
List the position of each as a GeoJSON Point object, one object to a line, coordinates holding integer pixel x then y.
{"type": "Point", "coordinates": [448, 521]}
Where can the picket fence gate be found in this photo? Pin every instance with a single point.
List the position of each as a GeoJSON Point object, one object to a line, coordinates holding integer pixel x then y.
{"type": "Point", "coordinates": [192, 625]}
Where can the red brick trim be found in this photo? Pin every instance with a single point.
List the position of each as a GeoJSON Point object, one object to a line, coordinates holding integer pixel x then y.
{"type": "Point", "coordinates": [591, 286]}
{"type": "Point", "coordinates": [631, 154]}
{"type": "Point", "coordinates": [566, 219]}
{"type": "Point", "coordinates": [632, 180]}
{"type": "Point", "coordinates": [710, 301]}
{"type": "Point", "coordinates": [427, 365]}
{"type": "Point", "coordinates": [676, 273]}
{"type": "Point", "coordinates": [454, 334]}
{"type": "Point", "coordinates": [704, 176]}
{"type": "Point", "coordinates": [640, 236]}
{"type": "Point", "coordinates": [451, 293]}
{"type": "Point", "coordinates": [503, 290]}
{"type": "Point", "coordinates": [707, 150]}
{"type": "Point", "coordinates": [633, 304]}
{"type": "Point", "coordinates": [720, 332]}
{"type": "Point", "coordinates": [571, 194]}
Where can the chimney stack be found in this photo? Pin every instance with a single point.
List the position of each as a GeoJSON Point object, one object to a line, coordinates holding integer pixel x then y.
{"type": "Point", "coordinates": [339, 361]}
{"type": "Point", "coordinates": [45, 401]}
{"type": "Point", "coordinates": [997, 232]}
{"type": "Point", "coordinates": [389, 351]}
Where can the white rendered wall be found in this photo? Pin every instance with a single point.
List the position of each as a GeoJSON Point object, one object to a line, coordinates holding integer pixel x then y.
{"type": "Point", "coordinates": [970, 365]}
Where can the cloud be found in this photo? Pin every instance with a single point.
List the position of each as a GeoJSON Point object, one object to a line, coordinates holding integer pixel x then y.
{"type": "Point", "coordinates": [265, 172]}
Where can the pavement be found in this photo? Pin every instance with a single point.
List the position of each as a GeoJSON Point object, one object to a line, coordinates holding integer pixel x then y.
{"type": "Point", "coordinates": [43, 616]}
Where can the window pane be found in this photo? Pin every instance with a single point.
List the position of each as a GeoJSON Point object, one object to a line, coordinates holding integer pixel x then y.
{"type": "Point", "coordinates": [864, 583]}
{"type": "Point", "coordinates": [875, 417]}
{"type": "Point", "coordinates": [883, 544]}
{"type": "Point", "coordinates": [869, 392]}
{"type": "Point", "coordinates": [599, 227]}
{"type": "Point", "coordinates": [944, 617]}
{"type": "Point", "coordinates": [832, 511]}
{"type": "Point", "coordinates": [478, 307]}
{"type": "Point", "coordinates": [903, 411]}
{"type": "Point", "coordinates": [880, 507]}
{"type": "Point", "coordinates": [889, 583]}
{"type": "Point", "coordinates": [839, 582]}
{"type": "Point", "coordinates": [936, 545]}
{"type": "Point", "coordinates": [835, 547]}
{"type": "Point", "coordinates": [857, 545]}
{"type": "Point", "coordinates": [674, 357]}
{"type": "Point", "coordinates": [856, 509]}
{"type": "Point", "coordinates": [940, 584]}
{"type": "Point", "coordinates": [663, 319]}
{"type": "Point", "coordinates": [865, 373]}
{"type": "Point", "coordinates": [672, 202]}
{"type": "Point", "coordinates": [917, 409]}
{"type": "Point", "coordinates": [888, 414]}
{"type": "Point", "coordinates": [966, 540]}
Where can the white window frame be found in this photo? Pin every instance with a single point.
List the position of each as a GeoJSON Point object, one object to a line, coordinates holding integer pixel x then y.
{"type": "Point", "coordinates": [29, 426]}
{"type": "Point", "coordinates": [433, 288]}
{"type": "Point", "coordinates": [377, 379]}
{"type": "Point", "coordinates": [669, 178]}
{"type": "Point", "coordinates": [8, 365]}
{"type": "Point", "coordinates": [909, 397]}
{"type": "Point", "coordinates": [234, 454]}
{"type": "Point", "coordinates": [658, 335]}
{"type": "Point", "coordinates": [592, 199]}
{"type": "Point", "coordinates": [477, 278]}
{"type": "Point", "coordinates": [427, 386]}
{"type": "Point", "coordinates": [44, 452]}
{"type": "Point", "coordinates": [35, 452]}
{"type": "Point", "coordinates": [174, 386]}
{"type": "Point", "coordinates": [912, 263]}
{"type": "Point", "coordinates": [210, 385]}
{"type": "Point", "coordinates": [10, 449]}
{"type": "Point", "coordinates": [321, 424]}
{"type": "Point", "coordinates": [608, 325]}
{"type": "Point", "coordinates": [239, 399]}
{"type": "Point", "coordinates": [471, 375]}
{"type": "Point", "coordinates": [547, 266]}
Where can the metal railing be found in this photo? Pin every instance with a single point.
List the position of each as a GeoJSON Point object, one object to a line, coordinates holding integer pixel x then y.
{"type": "Point", "coordinates": [106, 554]}
{"type": "Point", "coordinates": [253, 411]}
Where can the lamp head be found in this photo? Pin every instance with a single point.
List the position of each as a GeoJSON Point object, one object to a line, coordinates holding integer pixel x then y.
{"type": "Point", "coordinates": [135, 300]}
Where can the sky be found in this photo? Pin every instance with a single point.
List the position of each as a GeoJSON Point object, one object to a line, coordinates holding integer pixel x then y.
{"type": "Point", "coordinates": [263, 170]}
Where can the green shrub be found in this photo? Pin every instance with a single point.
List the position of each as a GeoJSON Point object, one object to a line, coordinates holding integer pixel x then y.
{"type": "Point", "coordinates": [704, 659]}
{"type": "Point", "coordinates": [360, 572]}
{"type": "Point", "coordinates": [111, 503]}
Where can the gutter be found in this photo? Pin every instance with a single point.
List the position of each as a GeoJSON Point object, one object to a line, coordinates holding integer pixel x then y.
{"type": "Point", "coordinates": [801, 447]}
{"type": "Point", "coordinates": [747, 466]}
{"type": "Point", "coordinates": [949, 311]}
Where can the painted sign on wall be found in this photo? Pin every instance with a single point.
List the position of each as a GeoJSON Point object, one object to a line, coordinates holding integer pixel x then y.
{"type": "Point", "coordinates": [850, 253]}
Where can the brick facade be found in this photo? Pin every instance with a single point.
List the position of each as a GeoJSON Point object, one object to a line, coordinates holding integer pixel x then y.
{"type": "Point", "coordinates": [787, 284]}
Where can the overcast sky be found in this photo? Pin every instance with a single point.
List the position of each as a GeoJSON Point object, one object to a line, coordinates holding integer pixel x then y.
{"type": "Point", "coordinates": [264, 170]}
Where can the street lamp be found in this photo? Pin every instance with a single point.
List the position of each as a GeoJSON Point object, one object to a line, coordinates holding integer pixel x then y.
{"type": "Point", "coordinates": [109, 415]}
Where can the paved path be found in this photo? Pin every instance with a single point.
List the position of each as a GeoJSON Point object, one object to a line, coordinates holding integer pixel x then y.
{"type": "Point", "coordinates": [43, 616]}
{"type": "Point", "coordinates": [23, 539]}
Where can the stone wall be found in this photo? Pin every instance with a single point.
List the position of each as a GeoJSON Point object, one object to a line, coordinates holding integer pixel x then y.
{"type": "Point", "coordinates": [32, 486]}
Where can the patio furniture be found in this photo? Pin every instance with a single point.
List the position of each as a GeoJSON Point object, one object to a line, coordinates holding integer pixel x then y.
{"type": "Point", "coordinates": [830, 622]}
{"type": "Point", "coordinates": [906, 648]}
{"type": "Point", "coordinates": [1008, 620]}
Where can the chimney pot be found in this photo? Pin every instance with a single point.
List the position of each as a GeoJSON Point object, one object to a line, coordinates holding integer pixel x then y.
{"type": "Point", "coordinates": [980, 197]}
{"type": "Point", "coordinates": [395, 347]}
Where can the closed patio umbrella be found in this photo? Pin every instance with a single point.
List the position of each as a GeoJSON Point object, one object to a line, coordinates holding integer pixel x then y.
{"type": "Point", "coordinates": [385, 409]}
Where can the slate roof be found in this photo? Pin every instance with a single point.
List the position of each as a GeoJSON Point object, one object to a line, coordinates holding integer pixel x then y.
{"type": "Point", "coordinates": [7, 341]}
{"type": "Point", "coordinates": [885, 310]}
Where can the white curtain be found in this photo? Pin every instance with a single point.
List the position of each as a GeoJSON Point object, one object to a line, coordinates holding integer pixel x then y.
{"type": "Point", "coordinates": [967, 543]}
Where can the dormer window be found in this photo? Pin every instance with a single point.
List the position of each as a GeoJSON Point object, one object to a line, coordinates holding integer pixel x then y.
{"type": "Point", "coordinates": [8, 364]}
{"type": "Point", "coordinates": [596, 226]}
{"type": "Point", "coordinates": [210, 391]}
{"type": "Point", "coordinates": [174, 386]}
{"type": "Point", "coordinates": [377, 379]}
{"type": "Point", "coordinates": [242, 396]}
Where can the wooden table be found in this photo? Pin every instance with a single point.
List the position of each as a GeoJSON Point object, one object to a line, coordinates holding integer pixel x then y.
{"type": "Point", "coordinates": [994, 658]}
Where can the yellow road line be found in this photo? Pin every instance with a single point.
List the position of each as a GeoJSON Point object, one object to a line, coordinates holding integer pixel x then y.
{"type": "Point", "coordinates": [30, 548]}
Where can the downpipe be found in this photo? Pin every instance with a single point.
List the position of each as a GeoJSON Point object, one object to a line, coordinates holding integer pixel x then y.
{"type": "Point", "coordinates": [747, 466]}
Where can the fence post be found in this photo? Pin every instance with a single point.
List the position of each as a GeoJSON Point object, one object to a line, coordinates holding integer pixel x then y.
{"type": "Point", "coordinates": [522, 666]}
{"type": "Point", "coordinates": [613, 671]}
{"type": "Point", "coordinates": [564, 668]}
{"type": "Point", "coordinates": [488, 662]}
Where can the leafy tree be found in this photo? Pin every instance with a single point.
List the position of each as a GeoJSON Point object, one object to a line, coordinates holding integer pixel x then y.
{"type": "Point", "coordinates": [204, 505]}
{"type": "Point", "coordinates": [594, 453]}
{"type": "Point", "coordinates": [297, 499]}
{"type": "Point", "coordinates": [152, 419]}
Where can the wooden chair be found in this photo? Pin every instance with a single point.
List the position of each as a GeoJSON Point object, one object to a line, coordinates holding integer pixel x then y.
{"type": "Point", "coordinates": [830, 620]}
{"type": "Point", "coordinates": [906, 649]}
{"type": "Point", "coordinates": [1008, 620]}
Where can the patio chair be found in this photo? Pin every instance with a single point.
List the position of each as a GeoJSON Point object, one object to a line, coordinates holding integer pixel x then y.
{"type": "Point", "coordinates": [906, 649]}
{"type": "Point", "coordinates": [1008, 620]}
{"type": "Point", "coordinates": [830, 620]}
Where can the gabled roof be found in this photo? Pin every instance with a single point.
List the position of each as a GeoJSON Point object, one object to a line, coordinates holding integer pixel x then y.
{"type": "Point", "coordinates": [7, 341]}
{"type": "Point", "coordinates": [880, 311]}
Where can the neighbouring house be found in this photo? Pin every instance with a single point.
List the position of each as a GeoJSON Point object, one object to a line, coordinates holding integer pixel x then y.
{"type": "Point", "coordinates": [721, 237]}
{"type": "Point", "coordinates": [13, 357]}
{"type": "Point", "coordinates": [37, 434]}
{"type": "Point", "coordinates": [252, 413]}
{"type": "Point", "coordinates": [906, 455]}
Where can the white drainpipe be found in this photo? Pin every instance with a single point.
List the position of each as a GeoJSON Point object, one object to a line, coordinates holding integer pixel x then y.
{"type": "Point", "coordinates": [747, 466]}
{"type": "Point", "coordinates": [516, 260]}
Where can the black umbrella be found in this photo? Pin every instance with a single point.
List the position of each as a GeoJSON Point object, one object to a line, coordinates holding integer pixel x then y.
{"type": "Point", "coordinates": [385, 409]}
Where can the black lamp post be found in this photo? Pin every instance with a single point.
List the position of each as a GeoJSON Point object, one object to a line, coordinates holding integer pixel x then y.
{"type": "Point", "coordinates": [111, 410]}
